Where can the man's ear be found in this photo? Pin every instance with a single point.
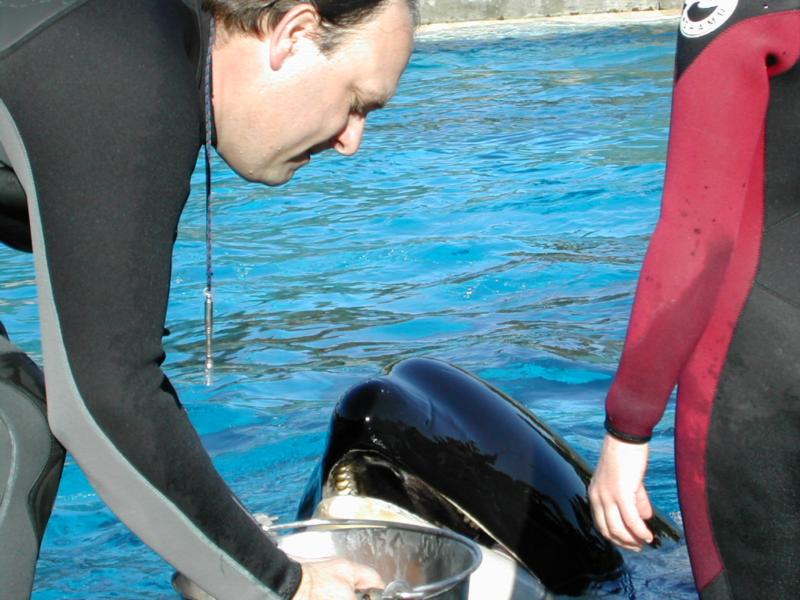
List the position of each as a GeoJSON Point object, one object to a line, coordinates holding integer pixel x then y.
{"type": "Point", "coordinates": [298, 24]}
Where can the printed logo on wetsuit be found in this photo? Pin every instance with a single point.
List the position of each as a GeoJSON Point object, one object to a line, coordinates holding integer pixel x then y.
{"type": "Point", "coordinates": [701, 17]}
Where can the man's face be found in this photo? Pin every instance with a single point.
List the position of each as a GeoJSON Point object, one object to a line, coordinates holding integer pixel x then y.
{"type": "Point", "coordinates": [278, 100]}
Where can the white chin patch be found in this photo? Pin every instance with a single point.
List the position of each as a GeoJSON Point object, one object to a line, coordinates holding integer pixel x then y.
{"type": "Point", "coordinates": [363, 507]}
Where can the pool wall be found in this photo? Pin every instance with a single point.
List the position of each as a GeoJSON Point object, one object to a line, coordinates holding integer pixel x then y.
{"type": "Point", "coordinates": [450, 11]}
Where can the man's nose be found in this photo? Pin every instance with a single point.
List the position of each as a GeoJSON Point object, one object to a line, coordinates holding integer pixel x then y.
{"type": "Point", "coordinates": [348, 140]}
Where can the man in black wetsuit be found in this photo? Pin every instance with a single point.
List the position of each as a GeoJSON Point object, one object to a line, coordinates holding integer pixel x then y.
{"type": "Point", "coordinates": [101, 120]}
{"type": "Point", "coordinates": [717, 311]}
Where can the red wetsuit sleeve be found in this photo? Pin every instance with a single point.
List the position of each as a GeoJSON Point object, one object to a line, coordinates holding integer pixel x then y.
{"type": "Point", "coordinates": [716, 136]}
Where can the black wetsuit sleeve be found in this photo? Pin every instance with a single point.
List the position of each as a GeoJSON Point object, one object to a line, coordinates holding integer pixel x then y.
{"type": "Point", "coordinates": [106, 105]}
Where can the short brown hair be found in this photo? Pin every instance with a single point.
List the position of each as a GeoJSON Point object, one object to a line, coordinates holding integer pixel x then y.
{"type": "Point", "coordinates": [337, 17]}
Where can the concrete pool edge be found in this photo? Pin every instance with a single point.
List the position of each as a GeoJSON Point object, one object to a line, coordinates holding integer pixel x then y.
{"type": "Point", "coordinates": [612, 18]}
{"type": "Point", "coordinates": [458, 11]}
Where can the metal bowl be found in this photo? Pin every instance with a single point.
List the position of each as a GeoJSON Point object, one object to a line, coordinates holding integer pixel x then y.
{"type": "Point", "coordinates": [416, 562]}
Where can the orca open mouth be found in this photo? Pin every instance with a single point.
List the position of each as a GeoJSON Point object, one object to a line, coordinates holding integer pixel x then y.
{"type": "Point", "coordinates": [369, 474]}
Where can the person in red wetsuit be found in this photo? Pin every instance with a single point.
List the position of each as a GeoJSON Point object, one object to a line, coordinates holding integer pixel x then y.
{"type": "Point", "coordinates": [717, 311]}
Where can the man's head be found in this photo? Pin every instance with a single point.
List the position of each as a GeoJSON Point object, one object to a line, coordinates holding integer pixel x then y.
{"type": "Point", "coordinates": [295, 78]}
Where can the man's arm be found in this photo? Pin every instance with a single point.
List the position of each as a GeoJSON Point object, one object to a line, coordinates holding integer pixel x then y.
{"type": "Point", "coordinates": [104, 113]}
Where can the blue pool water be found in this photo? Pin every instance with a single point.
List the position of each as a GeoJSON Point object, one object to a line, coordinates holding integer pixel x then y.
{"type": "Point", "coordinates": [496, 218]}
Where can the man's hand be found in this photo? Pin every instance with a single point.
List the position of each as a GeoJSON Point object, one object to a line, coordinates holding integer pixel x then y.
{"type": "Point", "coordinates": [335, 579]}
{"type": "Point", "coordinates": [617, 494]}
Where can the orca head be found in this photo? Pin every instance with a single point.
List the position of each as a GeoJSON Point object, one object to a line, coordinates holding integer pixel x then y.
{"type": "Point", "coordinates": [445, 446]}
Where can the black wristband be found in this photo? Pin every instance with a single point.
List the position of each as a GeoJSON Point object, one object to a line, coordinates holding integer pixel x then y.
{"type": "Point", "coordinates": [625, 437]}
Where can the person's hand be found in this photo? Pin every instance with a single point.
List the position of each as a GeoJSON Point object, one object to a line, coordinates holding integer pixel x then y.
{"type": "Point", "coordinates": [617, 494]}
{"type": "Point", "coordinates": [335, 579]}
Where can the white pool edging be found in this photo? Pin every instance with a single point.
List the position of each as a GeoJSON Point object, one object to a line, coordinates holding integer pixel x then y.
{"type": "Point", "coordinates": [450, 11]}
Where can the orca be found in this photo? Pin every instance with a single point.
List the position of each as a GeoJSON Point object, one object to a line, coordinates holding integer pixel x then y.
{"type": "Point", "coordinates": [432, 441]}
{"type": "Point", "coordinates": [431, 444]}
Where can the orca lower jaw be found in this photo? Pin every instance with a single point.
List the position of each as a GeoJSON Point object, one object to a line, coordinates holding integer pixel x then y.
{"type": "Point", "coordinates": [369, 474]}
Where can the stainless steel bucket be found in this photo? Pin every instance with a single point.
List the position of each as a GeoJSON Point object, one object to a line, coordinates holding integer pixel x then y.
{"type": "Point", "coordinates": [415, 562]}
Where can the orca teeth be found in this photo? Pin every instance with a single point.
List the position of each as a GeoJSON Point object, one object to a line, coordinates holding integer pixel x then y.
{"type": "Point", "coordinates": [343, 481]}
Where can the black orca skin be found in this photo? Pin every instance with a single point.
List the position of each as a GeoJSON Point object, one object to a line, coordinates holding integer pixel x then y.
{"type": "Point", "coordinates": [428, 436]}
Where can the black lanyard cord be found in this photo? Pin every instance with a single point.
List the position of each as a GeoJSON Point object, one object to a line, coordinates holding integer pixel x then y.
{"type": "Point", "coordinates": [208, 293]}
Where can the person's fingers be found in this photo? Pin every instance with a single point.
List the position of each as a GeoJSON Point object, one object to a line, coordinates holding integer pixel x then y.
{"type": "Point", "coordinates": [643, 504]}
{"type": "Point", "coordinates": [366, 577]}
{"type": "Point", "coordinates": [598, 513]}
{"type": "Point", "coordinates": [606, 515]}
{"type": "Point", "coordinates": [619, 533]}
{"type": "Point", "coordinates": [634, 524]}
{"type": "Point", "coordinates": [335, 579]}
{"type": "Point", "coordinates": [603, 507]}
{"type": "Point", "coordinates": [617, 496]}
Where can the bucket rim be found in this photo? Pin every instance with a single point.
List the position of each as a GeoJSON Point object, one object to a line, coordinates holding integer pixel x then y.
{"type": "Point", "coordinates": [418, 592]}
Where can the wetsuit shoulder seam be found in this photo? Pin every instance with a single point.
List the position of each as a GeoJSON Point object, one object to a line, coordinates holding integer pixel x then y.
{"type": "Point", "coordinates": [6, 51]}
